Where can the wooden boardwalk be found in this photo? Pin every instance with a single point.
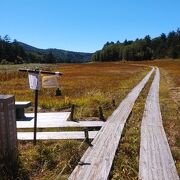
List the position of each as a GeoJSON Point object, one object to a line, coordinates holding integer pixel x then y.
{"type": "Point", "coordinates": [55, 135]}
{"type": "Point", "coordinates": [98, 159]}
{"type": "Point", "coordinates": [53, 120]}
{"type": "Point", "coordinates": [156, 161]}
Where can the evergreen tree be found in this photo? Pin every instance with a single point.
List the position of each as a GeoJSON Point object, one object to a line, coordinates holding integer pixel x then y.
{"type": "Point", "coordinates": [49, 58]}
{"type": "Point", "coordinates": [141, 49]}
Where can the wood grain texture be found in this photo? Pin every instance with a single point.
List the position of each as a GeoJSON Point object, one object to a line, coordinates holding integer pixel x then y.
{"type": "Point", "coordinates": [8, 135]}
{"type": "Point", "coordinates": [156, 161]}
{"type": "Point", "coordinates": [98, 159]}
{"type": "Point", "coordinates": [53, 120]}
{"type": "Point", "coordinates": [55, 135]}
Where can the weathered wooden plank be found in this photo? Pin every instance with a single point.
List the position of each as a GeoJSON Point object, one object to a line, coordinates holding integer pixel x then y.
{"type": "Point", "coordinates": [23, 104]}
{"type": "Point", "coordinates": [98, 158]}
{"type": "Point", "coordinates": [156, 161]}
{"type": "Point", "coordinates": [51, 120]}
{"type": "Point", "coordinates": [55, 135]}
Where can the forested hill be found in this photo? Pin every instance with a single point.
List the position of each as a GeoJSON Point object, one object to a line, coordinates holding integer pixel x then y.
{"type": "Point", "coordinates": [59, 54]}
{"type": "Point", "coordinates": [17, 52]}
{"type": "Point", "coordinates": [164, 46]}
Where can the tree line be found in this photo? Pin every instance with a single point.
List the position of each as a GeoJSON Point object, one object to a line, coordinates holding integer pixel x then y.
{"type": "Point", "coordinates": [163, 46]}
{"type": "Point", "coordinates": [12, 53]}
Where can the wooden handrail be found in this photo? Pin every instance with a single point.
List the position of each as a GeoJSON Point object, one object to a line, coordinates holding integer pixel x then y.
{"type": "Point", "coordinates": [40, 71]}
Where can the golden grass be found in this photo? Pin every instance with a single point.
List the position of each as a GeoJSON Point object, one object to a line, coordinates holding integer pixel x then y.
{"type": "Point", "coordinates": [47, 159]}
{"type": "Point", "coordinates": [88, 86]}
{"type": "Point", "coordinates": [85, 85]}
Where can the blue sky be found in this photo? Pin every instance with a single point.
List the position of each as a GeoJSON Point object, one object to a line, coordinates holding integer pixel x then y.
{"type": "Point", "coordinates": [85, 25]}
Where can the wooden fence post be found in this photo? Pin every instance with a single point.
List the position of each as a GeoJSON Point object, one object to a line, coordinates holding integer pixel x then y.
{"type": "Point", "coordinates": [113, 102]}
{"type": "Point", "coordinates": [101, 116]}
{"type": "Point", "coordinates": [86, 134]}
{"type": "Point", "coordinates": [8, 133]}
{"type": "Point", "coordinates": [72, 113]}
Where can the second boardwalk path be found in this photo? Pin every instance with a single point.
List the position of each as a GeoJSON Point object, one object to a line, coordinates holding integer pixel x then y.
{"type": "Point", "coordinates": [156, 161]}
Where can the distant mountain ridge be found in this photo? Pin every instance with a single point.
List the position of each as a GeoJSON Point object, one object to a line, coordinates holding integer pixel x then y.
{"type": "Point", "coordinates": [59, 54]}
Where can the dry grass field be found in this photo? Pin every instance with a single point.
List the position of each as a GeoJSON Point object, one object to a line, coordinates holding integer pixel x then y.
{"type": "Point", "coordinates": [85, 85]}
{"type": "Point", "coordinates": [89, 86]}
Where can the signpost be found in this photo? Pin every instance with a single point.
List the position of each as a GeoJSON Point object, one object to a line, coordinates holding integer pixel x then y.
{"type": "Point", "coordinates": [35, 84]}
{"type": "Point", "coordinates": [49, 82]}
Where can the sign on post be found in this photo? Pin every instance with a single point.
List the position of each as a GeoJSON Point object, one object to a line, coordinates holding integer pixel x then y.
{"type": "Point", "coordinates": [35, 84]}
{"type": "Point", "coordinates": [50, 82]}
{"type": "Point", "coordinates": [34, 81]}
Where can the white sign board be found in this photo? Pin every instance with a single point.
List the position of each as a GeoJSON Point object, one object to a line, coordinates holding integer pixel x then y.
{"type": "Point", "coordinates": [34, 81]}
{"type": "Point", "coordinates": [49, 82]}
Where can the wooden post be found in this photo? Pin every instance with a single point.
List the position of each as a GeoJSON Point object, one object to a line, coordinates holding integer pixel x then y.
{"type": "Point", "coordinates": [72, 113]}
{"type": "Point", "coordinates": [113, 102]}
{"type": "Point", "coordinates": [86, 135]}
{"type": "Point", "coordinates": [8, 133]}
{"type": "Point", "coordinates": [35, 115]}
{"type": "Point", "coordinates": [87, 140]}
{"type": "Point", "coordinates": [101, 116]}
